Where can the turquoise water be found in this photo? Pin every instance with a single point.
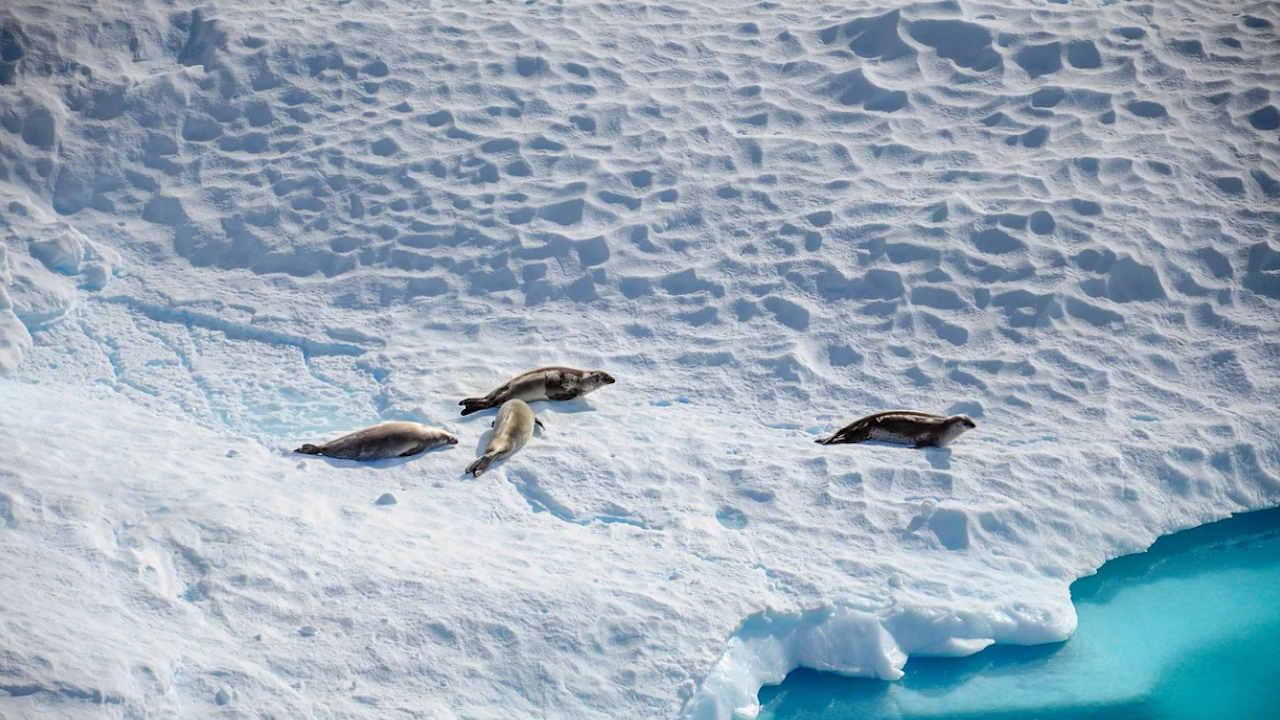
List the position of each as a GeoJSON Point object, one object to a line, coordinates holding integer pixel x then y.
{"type": "Point", "coordinates": [1189, 630]}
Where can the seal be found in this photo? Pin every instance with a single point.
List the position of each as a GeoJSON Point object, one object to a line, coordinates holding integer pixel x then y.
{"type": "Point", "coordinates": [548, 383]}
{"type": "Point", "coordinates": [903, 427]}
{"type": "Point", "coordinates": [511, 430]}
{"type": "Point", "coordinates": [388, 440]}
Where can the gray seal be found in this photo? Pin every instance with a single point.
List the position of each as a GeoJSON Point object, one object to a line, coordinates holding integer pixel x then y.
{"type": "Point", "coordinates": [904, 427]}
{"type": "Point", "coordinates": [548, 383]}
{"type": "Point", "coordinates": [511, 430]}
{"type": "Point", "coordinates": [388, 440]}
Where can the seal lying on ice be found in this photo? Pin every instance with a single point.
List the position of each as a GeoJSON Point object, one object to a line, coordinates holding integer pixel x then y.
{"type": "Point", "coordinates": [388, 440]}
{"type": "Point", "coordinates": [548, 383]}
{"type": "Point", "coordinates": [511, 430]}
{"type": "Point", "coordinates": [903, 427]}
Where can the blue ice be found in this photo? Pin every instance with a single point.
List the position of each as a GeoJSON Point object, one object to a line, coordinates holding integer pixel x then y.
{"type": "Point", "coordinates": [1188, 630]}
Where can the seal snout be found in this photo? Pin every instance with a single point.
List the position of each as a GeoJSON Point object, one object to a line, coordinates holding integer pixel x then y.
{"type": "Point", "coordinates": [453, 440]}
{"type": "Point", "coordinates": [607, 378]}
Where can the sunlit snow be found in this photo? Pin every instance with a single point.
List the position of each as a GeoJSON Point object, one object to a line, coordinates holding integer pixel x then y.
{"type": "Point", "coordinates": [232, 228]}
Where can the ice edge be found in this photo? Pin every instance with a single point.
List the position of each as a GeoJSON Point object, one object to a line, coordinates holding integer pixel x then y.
{"type": "Point", "coordinates": [858, 642]}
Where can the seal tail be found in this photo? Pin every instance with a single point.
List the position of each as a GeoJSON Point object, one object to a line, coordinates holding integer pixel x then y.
{"type": "Point", "coordinates": [474, 405]}
{"type": "Point", "coordinates": [481, 464]}
{"type": "Point", "coordinates": [843, 436]}
{"type": "Point", "coordinates": [309, 449]}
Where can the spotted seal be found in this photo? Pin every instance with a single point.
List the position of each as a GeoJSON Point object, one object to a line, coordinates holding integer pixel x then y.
{"type": "Point", "coordinates": [548, 383]}
{"type": "Point", "coordinates": [903, 427]}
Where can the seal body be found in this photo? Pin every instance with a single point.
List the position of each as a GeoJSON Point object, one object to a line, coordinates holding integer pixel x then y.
{"type": "Point", "coordinates": [511, 430]}
{"type": "Point", "coordinates": [388, 440]}
{"type": "Point", "coordinates": [903, 427]}
{"type": "Point", "coordinates": [548, 383]}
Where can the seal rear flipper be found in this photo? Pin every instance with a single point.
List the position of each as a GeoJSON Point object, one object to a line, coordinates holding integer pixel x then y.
{"type": "Point", "coordinates": [481, 464]}
{"type": "Point", "coordinates": [845, 437]}
{"type": "Point", "coordinates": [837, 437]}
{"type": "Point", "coordinates": [309, 449]}
{"type": "Point", "coordinates": [475, 405]}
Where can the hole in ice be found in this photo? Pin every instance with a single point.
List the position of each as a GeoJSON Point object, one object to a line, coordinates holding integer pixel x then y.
{"type": "Point", "coordinates": [1185, 630]}
{"type": "Point", "coordinates": [669, 403]}
{"type": "Point", "coordinates": [731, 518]}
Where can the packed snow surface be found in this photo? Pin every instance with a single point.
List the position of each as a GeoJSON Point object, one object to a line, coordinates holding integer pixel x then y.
{"type": "Point", "coordinates": [229, 229]}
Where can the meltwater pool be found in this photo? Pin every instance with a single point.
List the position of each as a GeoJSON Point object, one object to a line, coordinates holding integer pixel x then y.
{"type": "Point", "coordinates": [1187, 630]}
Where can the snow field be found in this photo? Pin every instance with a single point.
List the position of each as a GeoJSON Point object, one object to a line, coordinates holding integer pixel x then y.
{"type": "Point", "coordinates": [228, 230]}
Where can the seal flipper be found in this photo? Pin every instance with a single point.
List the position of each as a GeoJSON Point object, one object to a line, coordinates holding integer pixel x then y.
{"type": "Point", "coordinates": [309, 449]}
{"type": "Point", "coordinates": [839, 436]}
{"type": "Point", "coordinates": [848, 434]}
{"type": "Point", "coordinates": [481, 464]}
{"type": "Point", "coordinates": [475, 405]}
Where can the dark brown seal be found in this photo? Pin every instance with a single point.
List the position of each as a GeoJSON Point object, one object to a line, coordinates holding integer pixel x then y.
{"type": "Point", "coordinates": [903, 427]}
{"type": "Point", "coordinates": [548, 383]}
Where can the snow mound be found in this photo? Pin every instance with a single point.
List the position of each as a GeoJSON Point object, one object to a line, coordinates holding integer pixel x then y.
{"type": "Point", "coordinates": [44, 263]}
